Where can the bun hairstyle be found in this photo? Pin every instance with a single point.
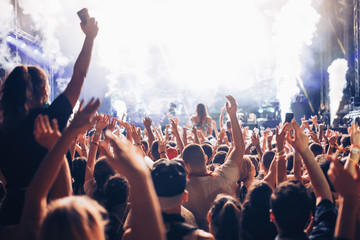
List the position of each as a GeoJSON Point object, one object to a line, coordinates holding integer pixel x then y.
{"type": "Point", "coordinates": [225, 218]}
{"type": "Point", "coordinates": [21, 91]}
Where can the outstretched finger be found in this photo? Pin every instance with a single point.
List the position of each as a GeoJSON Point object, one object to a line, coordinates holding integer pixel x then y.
{"type": "Point", "coordinates": [55, 124]}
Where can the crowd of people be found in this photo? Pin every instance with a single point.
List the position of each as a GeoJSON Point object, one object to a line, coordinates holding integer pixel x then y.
{"type": "Point", "coordinates": [97, 177]}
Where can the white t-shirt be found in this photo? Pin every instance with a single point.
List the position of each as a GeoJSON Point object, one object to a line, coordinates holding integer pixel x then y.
{"type": "Point", "coordinates": [204, 189]}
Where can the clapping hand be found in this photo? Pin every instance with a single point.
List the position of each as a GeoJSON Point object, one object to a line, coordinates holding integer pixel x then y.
{"type": "Point", "coordinates": [45, 134]}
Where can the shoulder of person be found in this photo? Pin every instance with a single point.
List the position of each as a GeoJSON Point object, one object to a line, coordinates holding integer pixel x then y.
{"type": "Point", "coordinates": [202, 235]}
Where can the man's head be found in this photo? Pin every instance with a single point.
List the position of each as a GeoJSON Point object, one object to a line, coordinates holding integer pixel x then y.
{"type": "Point", "coordinates": [291, 205]}
{"type": "Point", "coordinates": [169, 178]}
{"type": "Point", "coordinates": [194, 158]}
{"type": "Point", "coordinates": [316, 149]}
{"type": "Point", "coordinates": [208, 151]}
{"type": "Point", "coordinates": [267, 159]}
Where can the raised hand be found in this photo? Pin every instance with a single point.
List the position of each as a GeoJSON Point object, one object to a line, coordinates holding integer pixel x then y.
{"type": "Point", "coordinates": [315, 121]}
{"type": "Point", "coordinates": [112, 124]}
{"type": "Point", "coordinates": [135, 133]}
{"type": "Point", "coordinates": [91, 28]}
{"type": "Point", "coordinates": [127, 159]}
{"type": "Point", "coordinates": [281, 136]}
{"type": "Point", "coordinates": [231, 105]}
{"type": "Point", "coordinates": [44, 134]}
{"type": "Point", "coordinates": [343, 181]}
{"type": "Point", "coordinates": [355, 134]}
{"type": "Point", "coordinates": [162, 146]}
{"type": "Point", "coordinates": [102, 122]}
{"type": "Point", "coordinates": [299, 140]}
{"type": "Point", "coordinates": [255, 141]}
{"type": "Point", "coordinates": [147, 122]}
{"type": "Point", "coordinates": [84, 118]}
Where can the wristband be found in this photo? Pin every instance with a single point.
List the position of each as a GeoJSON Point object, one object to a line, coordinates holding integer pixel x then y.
{"type": "Point", "coordinates": [162, 152]}
{"type": "Point", "coordinates": [95, 143]}
{"type": "Point", "coordinates": [355, 150]}
{"type": "Point", "coordinates": [353, 160]}
{"type": "Point", "coordinates": [137, 144]}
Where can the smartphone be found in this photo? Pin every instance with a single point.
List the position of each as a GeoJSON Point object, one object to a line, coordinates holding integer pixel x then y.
{"type": "Point", "coordinates": [289, 117]}
{"type": "Point", "coordinates": [83, 15]}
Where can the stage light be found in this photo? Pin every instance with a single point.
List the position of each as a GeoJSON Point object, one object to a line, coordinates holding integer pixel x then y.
{"type": "Point", "coordinates": [9, 38]}
{"type": "Point", "coordinates": [23, 45]}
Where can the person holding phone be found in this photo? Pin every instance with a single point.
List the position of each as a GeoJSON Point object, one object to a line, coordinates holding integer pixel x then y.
{"type": "Point", "coordinates": [25, 95]}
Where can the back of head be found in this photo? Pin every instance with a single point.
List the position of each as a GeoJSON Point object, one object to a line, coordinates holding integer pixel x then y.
{"type": "Point", "coordinates": [78, 173]}
{"type": "Point", "coordinates": [225, 217]}
{"type": "Point", "coordinates": [116, 191]}
{"type": "Point", "coordinates": [219, 157]}
{"type": "Point", "coordinates": [345, 140]}
{"type": "Point", "coordinates": [74, 218]}
{"type": "Point", "coordinates": [267, 159]}
{"type": "Point", "coordinates": [256, 215]}
{"type": "Point", "coordinates": [207, 149]}
{"type": "Point", "coordinates": [102, 171]}
{"type": "Point", "coordinates": [291, 205]}
{"type": "Point", "coordinates": [169, 178]}
{"type": "Point", "coordinates": [223, 147]}
{"type": "Point", "coordinates": [258, 199]}
{"type": "Point", "coordinates": [316, 149]}
{"type": "Point", "coordinates": [21, 91]}
{"type": "Point", "coordinates": [155, 151]}
{"type": "Point", "coordinates": [194, 157]}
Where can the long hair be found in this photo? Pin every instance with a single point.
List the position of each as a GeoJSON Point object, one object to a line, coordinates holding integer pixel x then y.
{"type": "Point", "coordinates": [23, 90]}
{"type": "Point", "coordinates": [74, 218]}
{"type": "Point", "coordinates": [225, 215]}
{"type": "Point", "coordinates": [201, 112]}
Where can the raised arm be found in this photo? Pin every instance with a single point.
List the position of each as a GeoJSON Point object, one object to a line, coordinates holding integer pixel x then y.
{"type": "Point", "coordinates": [348, 187]}
{"type": "Point", "coordinates": [102, 122]}
{"type": "Point", "coordinates": [238, 140]}
{"type": "Point", "coordinates": [147, 124]}
{"type": "Point", "coordinates": [221, 121]}
{"type": "Point", "coordinates": [353, 160]}
{"type": "Point", "coordinates": [301, 142]}
{"type": "Point", "coordinates": [280, 154]}
{"type": "Point", "coordinates": [175, 131]}
{"type": "Point", "coordinates": [73, 89]}
{"type": "Point", "coordinates": [146, 221]}
{"type": "Point", "coordinates": [36, 194]}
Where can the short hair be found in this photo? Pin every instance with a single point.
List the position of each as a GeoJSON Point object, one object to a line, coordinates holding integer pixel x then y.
{"type": "Point", "coordinates": [316, 149]}
{"type": "Point", "coordinates": [345, 140]}
{"type": "Point", "coordinates": [78, 173]}
{"type": "Point", "coordinates": [223, 147]}
{"type": "Point", "coordinates": [267, 159]}
{"type": "Point", "coordinates": [291, 205]}
{"type": "Point", "coordinates": [207, 149]}
{"type": "Point", "coordinates": [155, 150]}
{"type": "Point", "coordinates": [74, 218]}
{"type": "Point", "coordinates": [225, 215]}
{"type": "Point", "coordinates": [194, 156]}
{"type": "Point", "coordinates": [220, 157]}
